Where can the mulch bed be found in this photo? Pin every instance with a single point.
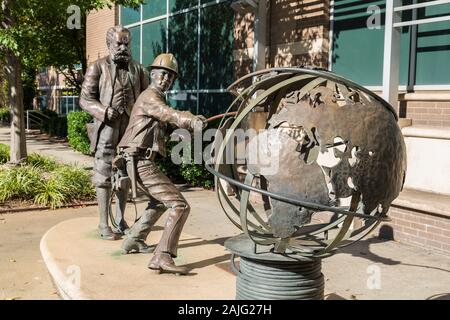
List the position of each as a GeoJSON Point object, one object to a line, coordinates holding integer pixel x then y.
{"type": "Point", "coordinates": [24, 206]}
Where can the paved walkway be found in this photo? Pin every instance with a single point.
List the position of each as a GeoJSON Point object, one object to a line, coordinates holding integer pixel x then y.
{"type": "Point", "coordinates": [40, 144]}
{"type": "Point", "coordinates": [371, 269]}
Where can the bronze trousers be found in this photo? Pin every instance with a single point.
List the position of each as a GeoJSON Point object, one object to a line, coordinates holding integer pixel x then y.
{"type": "Point", "coordinates": [162, 195]}
{"type": "Point", "coordinates": [108, 139]}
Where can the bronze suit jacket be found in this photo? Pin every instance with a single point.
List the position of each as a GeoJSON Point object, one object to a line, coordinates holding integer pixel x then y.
{"type": "Point", "coordinates": [98, 91]}
{"type": "Point", "coordinates": [148, 122]}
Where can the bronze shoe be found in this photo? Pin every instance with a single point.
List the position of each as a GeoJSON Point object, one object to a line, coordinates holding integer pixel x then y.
{"type": "Point", "coordinates": [163, 262]}
{"type": "Point", "coordinates": [106, 233]}
{"type": "Point", "coordinates": [136, 246]}
{"type": "Point", "coordinates": [123, 229]}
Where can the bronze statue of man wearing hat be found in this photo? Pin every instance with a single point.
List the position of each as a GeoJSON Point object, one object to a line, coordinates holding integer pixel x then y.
{"type": "Point", "coordinates": [142, 140]}
{"type": "Point", "coordinates": [110, 88]}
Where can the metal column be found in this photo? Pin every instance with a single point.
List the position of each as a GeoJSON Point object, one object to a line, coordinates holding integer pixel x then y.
{"type": "Point", "coordinates": [391, 65]}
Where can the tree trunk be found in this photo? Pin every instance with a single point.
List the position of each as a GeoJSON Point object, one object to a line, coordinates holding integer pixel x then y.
{"type": "Point", "coordinates": [18, 151]}
{"type": "Point", "coordinates": [13, 70]}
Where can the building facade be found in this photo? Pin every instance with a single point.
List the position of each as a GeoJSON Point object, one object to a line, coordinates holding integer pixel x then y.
{"type": "Point", "coordinates": [54, 94]}
{"type": "Point", "coordinates": [216, 42]}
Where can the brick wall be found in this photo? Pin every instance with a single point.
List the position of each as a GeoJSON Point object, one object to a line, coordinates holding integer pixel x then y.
{"type": "Point", "coordinates": [98, 22]}
{"type": "Point", "coordinates": [299, 33]}
{"type": "Point", "coordinates": [244, 35]}
{"type": "Point", "coordinates": [422, 229]}
{"type": "Point", "coordinates": [428, 113]}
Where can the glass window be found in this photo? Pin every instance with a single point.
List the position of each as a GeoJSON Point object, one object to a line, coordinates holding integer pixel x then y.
{"type": "Point", "coordinates": [433, 48]}
{"type": "Point", "coordinates": [216, 53]}
{"type": "Point", "coordinates": [136, 43]}
{"type": "Point", "coordinates": [183, 101]}
{"type": "Point", "coordinates": [178, 34]}
{"type": "Point", "coordinates": [129, 16]}
{"type": "Point", "coordinates": [178, 5]}
{"type": "Point", "coordinates": [154, 8]}
{"type": "Point", "coordinates": [183, 43]}
{"type": "Point", "coordinates": [153, 41]}
{"type": "Point", "coordinates": [212, 104]}
{"type": "Point", "coordinates": [70, 104]}
{"type": "Point", "coordinates": [357, 50]}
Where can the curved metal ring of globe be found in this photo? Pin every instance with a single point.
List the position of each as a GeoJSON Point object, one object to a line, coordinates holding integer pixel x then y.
{"type": "Point", "coordinates": [340, 151]}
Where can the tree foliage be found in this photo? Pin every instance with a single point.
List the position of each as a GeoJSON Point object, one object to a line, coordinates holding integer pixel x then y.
{"type": "Point", "coordinates": [41, 36]}
{"type": "Point", "coordinates": [35, 33]}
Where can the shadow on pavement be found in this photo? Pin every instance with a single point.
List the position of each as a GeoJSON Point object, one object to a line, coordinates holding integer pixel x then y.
{"type": "Point", "coordinates": [361, 249]}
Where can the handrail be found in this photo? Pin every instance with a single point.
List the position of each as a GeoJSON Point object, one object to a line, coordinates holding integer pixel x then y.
{"type": "Point", "coordinates": [37, 115]}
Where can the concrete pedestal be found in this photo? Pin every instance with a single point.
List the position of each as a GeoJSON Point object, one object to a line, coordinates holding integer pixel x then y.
{"type": "Point", "coordinates": [83, 266]}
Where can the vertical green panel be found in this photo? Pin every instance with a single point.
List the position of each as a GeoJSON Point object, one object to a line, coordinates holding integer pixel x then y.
{"type": "Point", "coordinates": [433, 48]}
{"type": "Point", "coordinates": [136, 43]}
{"type": "Point", "coordinates": [178, 5]}
{"type": "Point", "coordinates": [216, 62]}
{"type": "Point", "coordinates": [357, 50]}
{"type": "Point", "coordinates": [183, 44]}
{"type": "Point", "coordinates": [154, 8]}
{"type": "Point", "coordinates": [129, 16]}
{"type": "Point", "coordinates": [153, 41]}
{"type": "Point", "coordinates": [212, 104]}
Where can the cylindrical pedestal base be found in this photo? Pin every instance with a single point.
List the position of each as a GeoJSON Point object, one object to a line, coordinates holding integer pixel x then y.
{"type": "Point", "coordinates": [269, 280]}
{"type": "Point", "coordinates": [271, 276]}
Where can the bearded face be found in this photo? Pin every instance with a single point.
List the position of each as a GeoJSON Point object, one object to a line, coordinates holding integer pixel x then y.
{"type": "Point", "coordinates": [119, 48]}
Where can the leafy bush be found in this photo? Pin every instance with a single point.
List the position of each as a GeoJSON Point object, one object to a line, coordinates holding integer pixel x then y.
{"type": "Point", "coordinates": [193, 174]}
{"type": "Point", "coordinates": [75, 181]}
{"type": "Point", "coordinates": [41, 162]}
{"type": "Point", "coordinates": [77, 132]}
{"type": "Point", "coordinates": [5, 116]}
{"type": "Point", "coordinates": [45, 182]}
{"type": "Point", "coordinates": [47, 119]}
{"type": "Point", "coordinates": [19, 183]}
{"type": "Point", "coordinates": [50, 194]}
{"type": "Point", "coordinates": [65, 184]}
{"type": "Point", "coordinates": [53, 124]}
{"type": "Point", "coordinates": [4, 153]}
{"type": "Point", "coordinates": [197, 175]}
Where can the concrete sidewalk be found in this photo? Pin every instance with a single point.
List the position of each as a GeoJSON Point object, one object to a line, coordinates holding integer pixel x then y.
{"type": "Point", "coordinates": [371, 269]}
{"type": "Point", "coordinates": [42, 145]}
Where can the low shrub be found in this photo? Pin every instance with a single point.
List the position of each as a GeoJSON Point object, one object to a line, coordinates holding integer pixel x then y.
{"type": "Point", "coordinates": [5, 116]}
{"type": "Point", "coordinates": [19, 183]}
{"type": "Point", "coordinates": [190, 173]}
{"type": "Point", "coordinates": [75, 181]}
{"type": "Point", "coordinates": [41, 162]}
{"type": "Point", "coordinates": [64, 185]}
{"type": "Point", "coordinates": [45, 182]}
{"type": "Point", "coordinates": [4, 153]}
{"type": "Point", "coordinates": [197, 175]}
{"type": "Point", "coordinates": [50, 194]}
{"type": "Point", "coordinates": [77, 132]}
{"type": "Point", "coordinates": [53, 124]}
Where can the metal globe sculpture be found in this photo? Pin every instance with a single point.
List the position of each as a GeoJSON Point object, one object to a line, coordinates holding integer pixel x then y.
{"type": "Point", "coordinates": [321, 174]}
